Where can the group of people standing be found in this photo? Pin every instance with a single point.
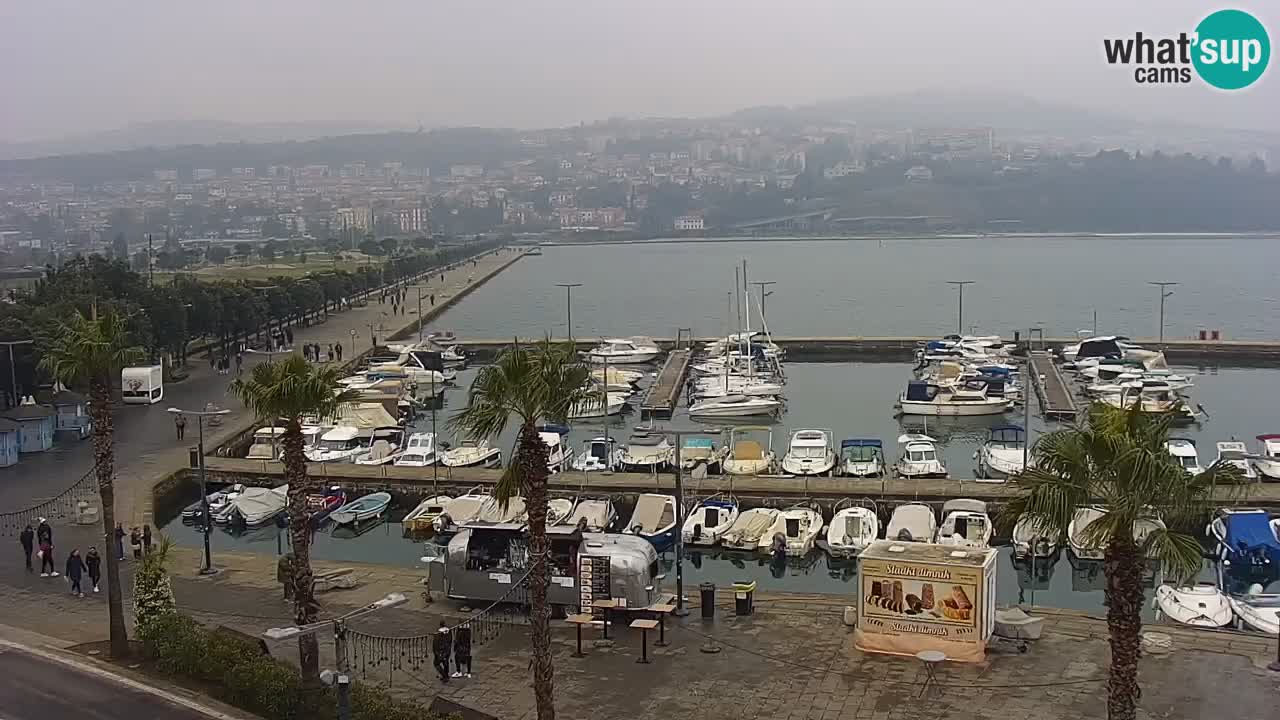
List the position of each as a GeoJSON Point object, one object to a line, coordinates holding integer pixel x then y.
{"type": "Point", "coordinates": [455, 643]}
{"type": "Point", "coordinates": [76, 568]}
{"type": "Point", "coordinates": [313, 353]}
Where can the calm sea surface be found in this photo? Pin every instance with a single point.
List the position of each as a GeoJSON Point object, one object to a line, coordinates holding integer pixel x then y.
{"type": "Point", "coordinates": [890, 287]}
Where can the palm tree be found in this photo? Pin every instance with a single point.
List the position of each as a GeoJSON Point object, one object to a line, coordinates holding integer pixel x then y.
{"type": "Point", "coordinates": [532, 385]}
{"type": "Point", "coordinates": [91, 351]}
{"type": "Point", "coordinates": [289, 390]}
{"type": "Point", "coordinates": [1118, 461]}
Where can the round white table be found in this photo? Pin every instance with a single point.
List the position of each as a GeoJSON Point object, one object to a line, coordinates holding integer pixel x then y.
{"type": "Point", "coordinates": [931, 659]}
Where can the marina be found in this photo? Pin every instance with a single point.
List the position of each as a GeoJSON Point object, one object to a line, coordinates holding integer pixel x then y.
{"type": "Point", "coordinates": [664, 393]}
{"type": "Point", "coordinates": [1056, 400]}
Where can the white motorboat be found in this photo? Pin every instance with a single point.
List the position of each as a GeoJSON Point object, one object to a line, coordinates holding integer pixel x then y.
{"type": "Point", "coordinates": [734, 406]}
{"type": "Point", "coordinates": [1268, 462]}
{"type": "Point", "coordinates": [851, 530]}
{"type": "Point", "coordinates": [922, 398]}
{"type": "Point", "coordinates": [709, 520]}
{"type": "Point", "coordinates": [701, 451]}
{"type": "Point", "coordinates": [420, 451]}
{"type": "Point", "coordinates": [494, 511]}
{"type": "Point", "coordinates": [598, 455]}
{"type": "Point", "coordinates": [810, 452]}
{"type": "Point", "coordinates": [912, 522]}
{"type": "Point", "coordinates": [1086, 550]}
{"type": "Point", "coordinates": [472, 453]}
{"type": "Point", "coordinates": [617, 379]}
{"type": "Point", "coordinates": [339, 444]}
{"type": "Point", "coordinates": [861, 457]}
{"type": "Point", "coordinates": [746, 455]}
{"type": "Point", "coordinates": [799, 526]}
{"type": "Point", "coordinates": [592, 515]}
{"type": "Point", "coordinates": [464, 509]}
{"type": "Point", "coordinates": [965, 523]}
{"type": "Point", "coordinates": [425, 513]}
{"type": "Point", "coordinates": [1200, 605]}
{"type": "Point", "coordinates": [1183, 451]}
{"type": "Point", "coordinates": [1032, 540]}
{"type": "Point", "coordinates": [598, 406]}
{"type": "Point", "coordinates": [559, 456]}
{"type": "Point", "coordinates": [654, 519]}
{"type": "Point", "coordinates": [733, 385]}
{"type": "Point", "coordinates": [1233, 452]}
{"type": "Point", "coordinates": [266, 444]}
{"type": "Point", "coordinates": [559, 510]}
{"type": "Point", "coordinates": [919, 458]}
{"type": "Point", "coordinates": [408, 371]}
{"type": "Point", "coordinates": [1257, 610]}
{"type": "Point", "coordinates": [1000, 457]}
{"type": "Point", "coordinates": [219, 501]}
{"type": "Point", "coordinates": [362, 509]}
{"type": "Point", "coordinates": [749, 528]}
{"type": "Point", "coordinates": [646, 452]}
{"type": "Point", "coordinates": [1151, 396]}
{"type": "Point", "coordinates": [1248, 540]}
{"type": "Point", "coordinates": [258, 506]}
{"type": "Point", "coordinates": [311, 435]}
{"type": "Point", "coordinates": [624, 351]}
{"type": "Point", "coordinates": [383, 449]}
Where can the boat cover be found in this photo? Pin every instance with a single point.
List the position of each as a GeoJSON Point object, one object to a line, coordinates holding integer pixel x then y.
{"type": "Point", "coordinates": [595, 512]}
{"type": "Point", "coordinates": [751, 525]}
{"type": "Point", "coordinates": [747, 450]}
{"type": "Point", "coordinates": [1248, 533]}
{"type": "Point", "coordinates": [918, 390]}
{"type": "Point", "coordinates": [855, 442]}
{"type": "Point", "coordinates": [650, 514]}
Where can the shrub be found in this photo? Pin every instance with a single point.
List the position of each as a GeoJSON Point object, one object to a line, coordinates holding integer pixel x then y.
{"type": "Point", "coordinates": [152, 593]}
{"type": "Point", "coordinates": [263, 687]}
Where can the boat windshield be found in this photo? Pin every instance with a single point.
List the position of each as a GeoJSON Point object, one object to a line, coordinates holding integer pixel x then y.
{"type": "Point", "coordinates": [861, 454]}
{"type": "Point", "coordinates": [1188, 462]}
{"type": "Point", "coordinates": [338, 444]}
{"type": "Point", "coordinates": [922, 455]}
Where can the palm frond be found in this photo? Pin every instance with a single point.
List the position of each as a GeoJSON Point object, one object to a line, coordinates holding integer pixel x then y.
{"type": "Point", "coordinates": [1179, 554]}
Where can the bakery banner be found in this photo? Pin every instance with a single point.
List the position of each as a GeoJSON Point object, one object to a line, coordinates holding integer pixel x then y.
{"type": "Point", "coordinates": [910, 606]}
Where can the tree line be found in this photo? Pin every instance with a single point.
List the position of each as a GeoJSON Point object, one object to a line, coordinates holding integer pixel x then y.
{"type": "Point", "coordinates": [167, 319]}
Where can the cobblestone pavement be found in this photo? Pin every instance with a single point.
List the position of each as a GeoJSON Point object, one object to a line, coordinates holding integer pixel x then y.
{"type": "Point", "coordinates": [147, 448]}
{"type": "Point", "coordinates": [793, 659]}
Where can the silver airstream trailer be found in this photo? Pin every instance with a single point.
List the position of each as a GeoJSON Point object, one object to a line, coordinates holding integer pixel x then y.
{"type": "Point", "coordinates": [482, 563]}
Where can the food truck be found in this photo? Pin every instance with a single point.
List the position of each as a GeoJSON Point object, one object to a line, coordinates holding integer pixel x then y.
{"type": "Point", "coordinates": [922, 596]}
{"type": "Point", "coordinates": [484, 561]}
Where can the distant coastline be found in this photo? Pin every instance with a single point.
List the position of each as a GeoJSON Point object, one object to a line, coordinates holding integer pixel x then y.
{"type": "Point", "coordinates": [569, 241]}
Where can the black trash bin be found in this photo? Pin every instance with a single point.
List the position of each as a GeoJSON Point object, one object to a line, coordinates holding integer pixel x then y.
{"type": "Point", "coordinates": [708, 592]}
{"type": "Point", "coordinates": [193, 456]}
{"type": "Point", "coordinates": [744, 598]}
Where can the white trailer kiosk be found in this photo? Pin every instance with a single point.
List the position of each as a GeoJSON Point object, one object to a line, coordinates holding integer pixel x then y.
{"type": "Point", "coordinates": [142, 385]}
{"type": "Point", "coordinates": [922, 596]}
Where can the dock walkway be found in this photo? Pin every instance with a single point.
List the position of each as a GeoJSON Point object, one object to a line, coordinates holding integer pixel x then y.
{"type": "Point", "coordinates": [665, 392]}
{"type": "Point", "coordinates": [1056, 401]}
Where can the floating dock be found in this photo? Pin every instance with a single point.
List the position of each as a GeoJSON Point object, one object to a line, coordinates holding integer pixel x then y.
{"type": "Point", "coordinates": [663, 395]}
{"type": "Point", "coordinates": [1056, 401]}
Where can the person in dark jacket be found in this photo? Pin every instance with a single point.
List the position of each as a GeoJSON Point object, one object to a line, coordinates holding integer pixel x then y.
{"type": "Point", "coordinates": [337, 348]}
{"type": "Point", "coordinates": [28, 540]}
{"type": "Point", "coordinates": [119, 536]}
{"type": "Point", "coordinates": [462, 650]}
{"type": "Point", "coordinates": [75, 569]}
{"type": "Point", "coordinates": [441, 647]}
{"type": "Point", "coordinates": [44, 533]}
{"type": "Point", "coordinates": [93, 563]}
{"type": "Point", "coordinates": [135, 542]}
{"type": "Point", "coordinates": [146, 539]}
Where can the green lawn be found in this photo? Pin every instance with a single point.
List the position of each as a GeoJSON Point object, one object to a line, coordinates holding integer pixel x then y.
{"type": "Point", "coordinates": [286, 266]}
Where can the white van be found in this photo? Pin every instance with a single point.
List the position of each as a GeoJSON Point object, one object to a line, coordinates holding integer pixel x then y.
{"type": "Point", "coordinates": [142, 385]}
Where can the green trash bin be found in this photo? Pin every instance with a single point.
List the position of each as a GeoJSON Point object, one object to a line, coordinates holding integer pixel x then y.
{"type": "Point", "coordinates": [744, 598]}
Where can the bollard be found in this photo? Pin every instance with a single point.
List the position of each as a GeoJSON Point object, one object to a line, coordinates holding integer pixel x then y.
{"type": "Point", "coordinates": [708, 592]}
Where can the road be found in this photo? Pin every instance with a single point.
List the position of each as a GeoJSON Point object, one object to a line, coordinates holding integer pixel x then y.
{"type": "Point", "coordinates": [34, 688]}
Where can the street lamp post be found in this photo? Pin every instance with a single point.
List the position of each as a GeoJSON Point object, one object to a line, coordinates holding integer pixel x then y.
{"type": "Point", "coordinates": [960, 312]}
{"type": "Point", "coordinates": [568, 306]}
{"type": "Point", "coordinates": [679, 435]}
{"type": "Point", "coordinates": [208, 568]}
{"type": "Point", "coordinates": [1163, 296]}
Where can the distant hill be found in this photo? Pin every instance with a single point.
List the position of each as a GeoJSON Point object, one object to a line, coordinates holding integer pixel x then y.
{"type": "Point", "coordinates": [176, 133]}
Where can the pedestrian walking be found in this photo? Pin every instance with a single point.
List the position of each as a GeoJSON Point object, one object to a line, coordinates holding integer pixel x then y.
{"type": "Point", "coordinates": [146, 539]}
{"type": "Point", "coordinates": [119, 536]}
{"type": "Point", "coordinates": [284, 575]}
{"type": "Point", "coordinates": [75, 570]}
{"type": "Point", "coordinates": [338, 348]}
{"type": "Point", "coordinates": [180, 425]}
{"type": "Point", "coordinates": [239, 363]}
{"type": "Point", "coordinates": [441, 648]}
{"type": "Point", "coordinates": [46, 559]}
{"type": "Point", "coordinates": [288, 337]}
{"type": "Point", "coordinates": [213, 360]}
{"type": "Point", "coordinates": [44, 533]}
{"type": "Point", "coordinates": [135, 542]}
{"type": "Point", "coordinates": [433, 300]}
{"type": "Point", "coordinates": [28, 539]}
{"type": "Point", "coordinates": [93, 564]}
{"type": "Point", "coordinates": [330, 352]}
{"type": "Point", "coordinates": [462, 651]}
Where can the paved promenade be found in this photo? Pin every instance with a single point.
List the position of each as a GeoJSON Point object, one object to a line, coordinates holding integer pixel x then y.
{"type": "Point", "coordinates": [793, 659]}
{"type": "Point", "coordinates": [147, 448]}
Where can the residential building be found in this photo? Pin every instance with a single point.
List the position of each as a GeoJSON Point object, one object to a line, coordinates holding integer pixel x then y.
{"type": "Point", "coordinates": [689, 223]}
{"type": "Point", "coordinates": [413, 220]}
{"type": "Point", "coordinates": [466, 171]}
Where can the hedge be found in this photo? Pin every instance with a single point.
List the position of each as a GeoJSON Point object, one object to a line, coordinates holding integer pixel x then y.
{"type": "Point", "coordinates": [239, 675]}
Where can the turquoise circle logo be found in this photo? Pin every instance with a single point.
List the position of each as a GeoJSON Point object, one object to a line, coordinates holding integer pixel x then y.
{"type": "Point", "coordinates": [1232, 49]}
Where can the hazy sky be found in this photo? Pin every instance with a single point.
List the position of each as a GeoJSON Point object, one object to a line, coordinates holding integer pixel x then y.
{"type": "Point", "coordinates": [83, 65]}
